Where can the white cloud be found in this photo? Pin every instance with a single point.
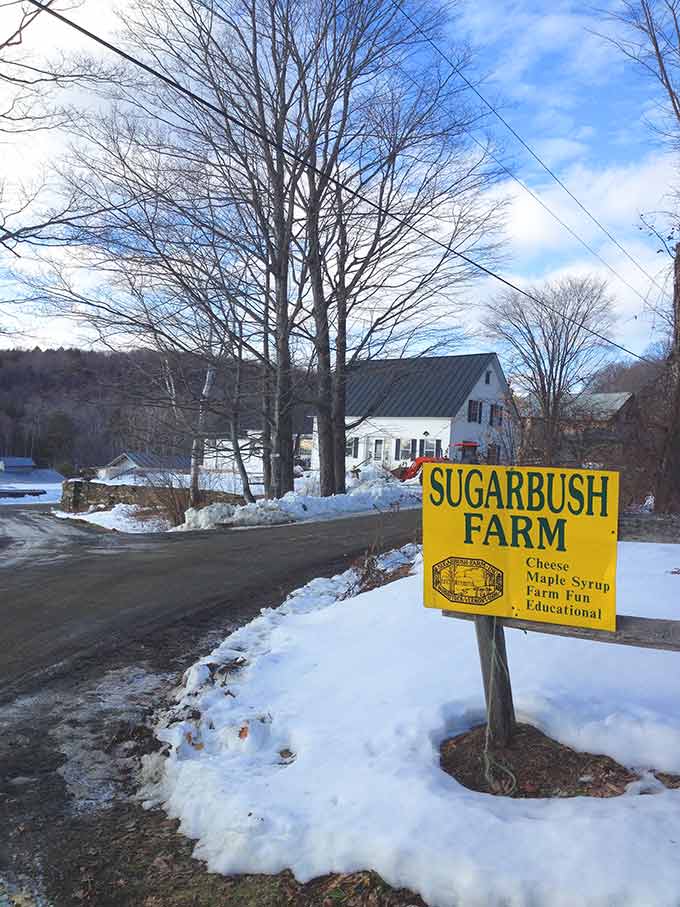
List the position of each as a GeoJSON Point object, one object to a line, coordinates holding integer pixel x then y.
{"type": "Point", "coordinates": [525, 33]}
{"type": "Point", "coordinates": [559, 150]}
{"type": "Point", "coordinates": [615, 194]}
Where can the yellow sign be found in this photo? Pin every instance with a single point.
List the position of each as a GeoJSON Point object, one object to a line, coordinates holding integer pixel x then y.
{"type": "Point", "coordinates": [530, 543]}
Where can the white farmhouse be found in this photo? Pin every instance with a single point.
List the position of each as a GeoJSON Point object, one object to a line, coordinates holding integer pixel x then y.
{"type": "Point", "coordinates": [442, 406]}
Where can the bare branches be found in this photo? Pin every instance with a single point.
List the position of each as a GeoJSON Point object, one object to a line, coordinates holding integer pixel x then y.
{"type": "Point", "coordinates": [648, 33]}
{"type": "Point", "coordinates": [207, 233]}
{"type": "Point", "coordinates": [552, 350]}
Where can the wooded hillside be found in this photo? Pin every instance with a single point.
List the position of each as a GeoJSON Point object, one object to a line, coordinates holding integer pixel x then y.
{"type": "Point", "coordinates": [71, 408]}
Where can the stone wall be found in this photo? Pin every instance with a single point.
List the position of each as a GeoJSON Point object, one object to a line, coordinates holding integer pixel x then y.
{"type": "Point", "coordinates": [79, 495]}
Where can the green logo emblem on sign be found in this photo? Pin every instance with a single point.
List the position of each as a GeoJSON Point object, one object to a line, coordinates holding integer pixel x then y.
{"type": "Point", "coordinates": [468, 580]}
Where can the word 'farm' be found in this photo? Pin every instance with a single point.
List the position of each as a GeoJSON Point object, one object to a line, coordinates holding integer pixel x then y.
{"type": "Point", "coordinates": [522, 493]}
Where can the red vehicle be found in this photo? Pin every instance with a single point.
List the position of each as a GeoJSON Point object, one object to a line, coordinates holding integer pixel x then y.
{"type": "Point", "coordinates": [411, 471]}
{"type": "Point", "coordinates": [469, 455]}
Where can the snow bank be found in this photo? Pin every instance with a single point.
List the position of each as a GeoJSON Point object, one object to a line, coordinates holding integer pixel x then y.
{"type": "Point", "coordinates": [377, 494]}
{"type": "Point", "coordinates": [264, 513]}
{"type": "Point", "coordinates": [121, 518]}
{"type": "Point", "coordinates": [323, 755]}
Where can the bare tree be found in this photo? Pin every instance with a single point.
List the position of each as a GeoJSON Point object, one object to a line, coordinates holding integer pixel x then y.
{"type": "Point", "coordinates": [311, 95]}
{"type": "Point", "coordinates": [648, 32]}
{"type": "Point", "coordinates": [554, 346]}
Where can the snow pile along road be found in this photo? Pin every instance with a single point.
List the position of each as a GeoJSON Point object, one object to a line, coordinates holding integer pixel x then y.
{"type": "Point", "coordinates": [317, 749]}
{"type": "Point", "coordinates": [121, 518]}
{"type": "Point", "coordinates": [377, 494]}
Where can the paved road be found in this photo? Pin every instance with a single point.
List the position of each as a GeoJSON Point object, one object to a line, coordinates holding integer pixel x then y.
{"type": "Point", "coordinates": [67, 589]}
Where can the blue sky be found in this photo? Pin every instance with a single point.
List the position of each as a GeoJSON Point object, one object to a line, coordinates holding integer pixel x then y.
{"type": "Point", "coordinates": [585, 110]}
{"type": "Point", "coordinates": [572, 97]}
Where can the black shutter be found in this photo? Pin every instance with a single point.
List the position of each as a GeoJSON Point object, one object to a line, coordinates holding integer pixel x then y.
{"type": "Point", "coordinates": [437, 448]}
{"type": "Point", "coordinates": [491, 413]}
{"type": "Point", "coordinates": [397, 450]}
{"type": "Point", "coordinates": [479, 415]}
{"type": "Point", "coordinates": [471, 417]}
{"type": "Point", "coordinates": [421, 447]}
{"type": "Point", "coordinates": [355, 451]}
{"type": "Point", "coordinates": [414, 448]}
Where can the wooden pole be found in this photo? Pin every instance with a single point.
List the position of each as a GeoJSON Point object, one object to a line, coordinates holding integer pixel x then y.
{"type": "Point", "coordinates": [496, 676]}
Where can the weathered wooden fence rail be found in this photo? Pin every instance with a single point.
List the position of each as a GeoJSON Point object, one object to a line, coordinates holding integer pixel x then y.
{"type": "Point", "coordinates": [643, 632]}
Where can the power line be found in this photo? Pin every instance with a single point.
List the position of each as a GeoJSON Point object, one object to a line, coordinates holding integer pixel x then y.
{"type": "Point", "coordinates": [251, 130]}
{"type": "Point", "coordinates": [559, 220]}
{"type": "Point", "coordinates": [542, 203]}
{"type": "Point", "coordinates": [519, 138]}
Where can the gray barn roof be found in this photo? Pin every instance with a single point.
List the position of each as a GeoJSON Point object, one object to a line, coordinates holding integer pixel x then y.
{"type": "Point", "coordinates": [430, 387]}
{"type": "Point", "coordinates": [599, 407]}
{"type": "Point", "coordinates": [154, 461]}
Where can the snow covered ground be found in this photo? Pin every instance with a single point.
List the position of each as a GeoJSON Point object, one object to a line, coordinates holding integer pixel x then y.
{"type": "Point", "coordinates": [122, 518]}
{"type": "Point", "coordinates": [317, 749]}
{"type": "Point", "coordinates": [365, 497]}
{"type": "Point", "coordinates": [46, 480]}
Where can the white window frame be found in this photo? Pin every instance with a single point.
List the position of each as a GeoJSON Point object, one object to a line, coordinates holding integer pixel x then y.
{"type": "Point", "coordinates": [430, 447]}
{"type": "Point", "coordinates": [475, 411]}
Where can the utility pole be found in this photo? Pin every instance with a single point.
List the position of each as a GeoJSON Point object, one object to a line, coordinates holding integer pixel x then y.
{"type": "Point", "coordinates": [668, 485]}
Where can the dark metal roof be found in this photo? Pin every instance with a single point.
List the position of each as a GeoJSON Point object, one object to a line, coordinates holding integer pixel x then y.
{"type": "Point", "coordinates": [432, 386]}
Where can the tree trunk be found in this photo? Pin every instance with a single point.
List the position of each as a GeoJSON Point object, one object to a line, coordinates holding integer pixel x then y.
{"type": "Point", "coordinates": [339, 397]}
{"type": "Point", "coordinates": [324, 388]}
{"type": "Point", "coordinates": [324, 426]}
{"type": "Point", "coordinates": [668, 485]}
{"type": "Point", "coordinates": [236, 447]}
{"type": "Point", "coordinates": [195, 484]}
{"type": "Point", "coordinates": [267, 416]}
{"type": "Point", "coordinates": [339, 434]}
{"type": "Point", "coordinates": [198, 442]}
{"type": "Point", "coordinates": [282, 441]}
{"type": "Point", "coordinates": [267, 440]}
{"type": "Point", "coordinates": [551, 437]}
{"type": "Point", "coordinates": [339, 386]}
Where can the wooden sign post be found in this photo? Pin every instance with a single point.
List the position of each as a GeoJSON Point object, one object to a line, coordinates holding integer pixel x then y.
{"type": "Point", "coordinates": [493, 658]}
{"type": "Point", "coordinates": [538, 545]}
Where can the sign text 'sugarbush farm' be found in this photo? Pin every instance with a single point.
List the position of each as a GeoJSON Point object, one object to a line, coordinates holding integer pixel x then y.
{"type": "Point", "coordinates": [534, 544]}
